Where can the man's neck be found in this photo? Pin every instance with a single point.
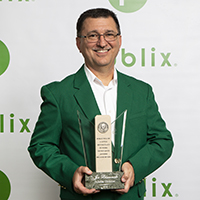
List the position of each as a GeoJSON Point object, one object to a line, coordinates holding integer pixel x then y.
{"type": "Point", "coordinates": [104, 74]}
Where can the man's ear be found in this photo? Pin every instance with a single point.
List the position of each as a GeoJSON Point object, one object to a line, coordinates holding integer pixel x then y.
{"type": "Point", "coordinates": [120, 40]}
{"type": "Point", "coordinates": [78, 43]}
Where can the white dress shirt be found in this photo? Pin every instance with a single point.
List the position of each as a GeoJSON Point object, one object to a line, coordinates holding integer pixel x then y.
{"type": "Point", "coordinates": [106, 96]}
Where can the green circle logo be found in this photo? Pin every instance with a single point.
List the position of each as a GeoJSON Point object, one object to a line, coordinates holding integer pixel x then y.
{"type": "Point", "coordinates": [127, 6]}
{"type": "Point", "coordinates": [4, 58]}
{"type": "Point", "coordinates": [4, 186]}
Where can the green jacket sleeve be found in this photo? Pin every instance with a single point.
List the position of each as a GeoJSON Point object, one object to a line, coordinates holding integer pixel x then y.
{"type": "Point", "coordinates": [44, 145]}
{"type": "Point", "coordinates": [159, 145]}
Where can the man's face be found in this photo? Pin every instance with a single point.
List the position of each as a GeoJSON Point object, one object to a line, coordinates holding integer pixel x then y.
{"type": "Point", "coordinates": [100, 53]}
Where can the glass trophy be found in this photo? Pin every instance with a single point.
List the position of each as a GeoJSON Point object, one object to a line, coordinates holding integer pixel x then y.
{"type": "Point", "coordinates": [97, 150]}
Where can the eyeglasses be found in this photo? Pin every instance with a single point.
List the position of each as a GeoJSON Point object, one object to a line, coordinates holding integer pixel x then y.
{"type": "Point", "coordinates": [94, 37]}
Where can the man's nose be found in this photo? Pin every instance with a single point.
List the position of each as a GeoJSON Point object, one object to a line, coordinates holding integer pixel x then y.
{"type": "Point", "coordinates": [101, 41]}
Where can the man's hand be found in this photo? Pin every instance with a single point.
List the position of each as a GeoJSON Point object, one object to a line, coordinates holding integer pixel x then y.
{"type": "Point", "coordinates": [78, 181]}
{"type": "Point", "coordinates": [128, 178]}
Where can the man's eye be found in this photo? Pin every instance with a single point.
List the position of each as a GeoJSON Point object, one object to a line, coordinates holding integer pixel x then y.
{"type": "Point", "coordinates": [109, 35]}
{"type": "Point", "coordinates": [92, 36]}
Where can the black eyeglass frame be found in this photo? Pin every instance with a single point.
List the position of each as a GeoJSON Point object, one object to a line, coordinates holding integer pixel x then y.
{"type": "Point", "coordinates": [99, 35]}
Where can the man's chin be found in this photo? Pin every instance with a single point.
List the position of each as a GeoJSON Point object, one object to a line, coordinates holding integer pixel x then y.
{"type": "Point", "coordinates": [104, 64]}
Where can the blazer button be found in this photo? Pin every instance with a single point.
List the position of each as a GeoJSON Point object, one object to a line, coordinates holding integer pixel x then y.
{"type": "Point", "coordinates": [117, 160]}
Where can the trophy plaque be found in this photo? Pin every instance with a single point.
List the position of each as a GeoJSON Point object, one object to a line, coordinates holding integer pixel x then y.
{"type": "Point", "coordinates": [103, 178]}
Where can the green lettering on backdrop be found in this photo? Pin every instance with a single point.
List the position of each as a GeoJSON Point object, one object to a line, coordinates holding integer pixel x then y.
{"type": "Point", "coordinates": [165, 59]}
{"type": "Point", "coordinates": [154, 185]}
{"type": "Point", "coordinates": [23, 122]}
{"type": "Point", "coordinates": [129, 59]}
{"type": "Point", "coordinates": [125, 55]}
{"type": "Point", "coordinates": [24, 125]}
{"type": "Point", "coordinates": [166, 187]}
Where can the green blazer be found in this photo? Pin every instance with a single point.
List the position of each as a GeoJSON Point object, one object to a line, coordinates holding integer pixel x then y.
{"type": "Point", "coordinates": [56, 146]}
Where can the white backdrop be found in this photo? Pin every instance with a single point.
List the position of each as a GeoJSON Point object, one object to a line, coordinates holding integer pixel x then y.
{"type": "Point", "coordinates": [40, 36]}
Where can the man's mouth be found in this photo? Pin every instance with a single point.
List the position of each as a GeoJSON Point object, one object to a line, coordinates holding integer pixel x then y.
{"type": "Point", "coordinates": [101, 50]}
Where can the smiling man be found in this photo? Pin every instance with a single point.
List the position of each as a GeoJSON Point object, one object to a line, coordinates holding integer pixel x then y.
{"type": "Point", "coordinates": [99, 43]}
{"type": "Point", "coordinates": [98, 88]}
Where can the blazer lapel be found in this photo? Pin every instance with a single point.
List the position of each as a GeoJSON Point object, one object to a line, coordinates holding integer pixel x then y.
{"type": "Point", "coordinates": [84, 95]}
{"type": "Point", "coordinates": [89, 108]}
{"type": "Point", "coordinates": [124, 98]}
{"type": "Point", "coordinates": [124, 94]}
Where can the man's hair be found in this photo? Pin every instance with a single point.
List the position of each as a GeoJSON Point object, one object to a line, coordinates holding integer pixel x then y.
{"type": "Point", "coordinates": [96, 13]}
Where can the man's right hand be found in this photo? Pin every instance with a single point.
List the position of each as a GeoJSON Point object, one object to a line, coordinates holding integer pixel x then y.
{"type": "Point", "coordinates": [78, 181]}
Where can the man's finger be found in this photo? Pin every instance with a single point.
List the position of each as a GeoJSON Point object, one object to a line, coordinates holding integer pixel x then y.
{"type": "Point", "coordinates": [77, 181]}
{"type": "Point", "coordinates": [85, 170]}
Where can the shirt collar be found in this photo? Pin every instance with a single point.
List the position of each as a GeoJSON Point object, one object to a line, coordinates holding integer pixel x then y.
{"type": "Point", "coordinates": [92, 78]}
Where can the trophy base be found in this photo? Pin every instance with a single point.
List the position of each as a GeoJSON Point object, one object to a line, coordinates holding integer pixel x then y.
{"type": "Point", "coordinates": [104, 180]}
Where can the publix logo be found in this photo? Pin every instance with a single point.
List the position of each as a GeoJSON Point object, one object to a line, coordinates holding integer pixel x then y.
{"type": "Point", "coordinates": [4, 58]}
{"type": "Point", "coordinates": [147, 57]}
{"type": "Point", "coordinates": [10, 122]}
{"type": "Point", "coordinates": [159, 189]}
{"type": "Point", "coordinates": [127, 6]}
{"type": "Point", "coordinates": [4, 186]}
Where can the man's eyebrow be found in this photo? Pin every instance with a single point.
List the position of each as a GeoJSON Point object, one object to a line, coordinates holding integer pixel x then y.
{"type": "Point", "coordinates": [95, 31]}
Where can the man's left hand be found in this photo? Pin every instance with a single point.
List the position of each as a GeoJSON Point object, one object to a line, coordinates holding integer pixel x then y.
{"type": "Point", "coordinates": [128, 177]}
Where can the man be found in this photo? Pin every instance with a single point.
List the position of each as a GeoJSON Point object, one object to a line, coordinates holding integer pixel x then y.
{"type": "Point", "coordinates": [98, 88]}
